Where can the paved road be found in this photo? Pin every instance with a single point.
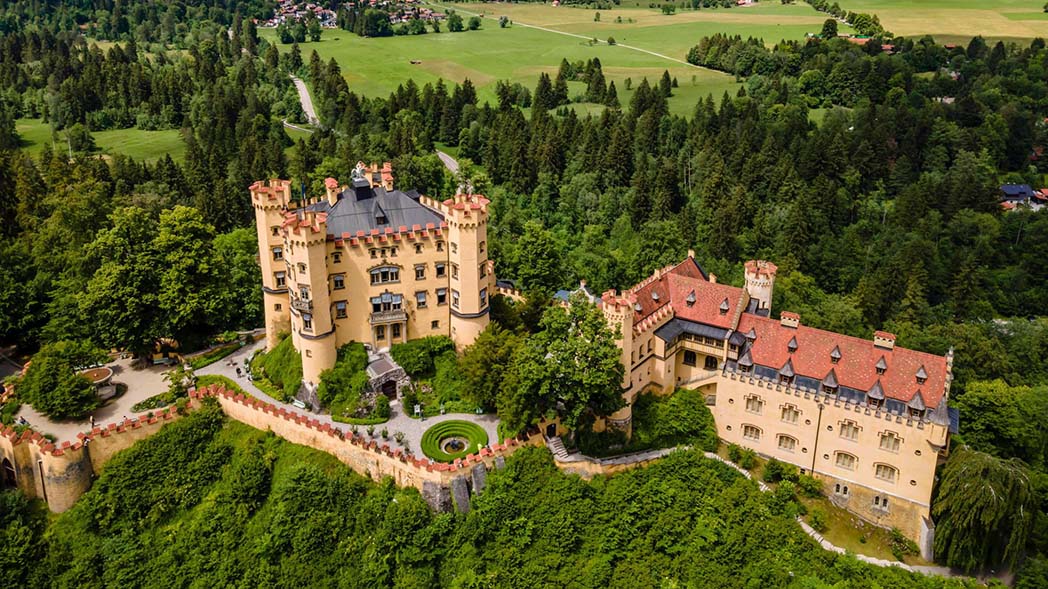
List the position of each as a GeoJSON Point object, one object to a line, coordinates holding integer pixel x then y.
{"type": "Point", "coordinates": [412, 428]}
{"type": "Point", "coordinates": [449, 162]}
{"type": "Point", "coordinates": [306, 100]}
{"type": "Point", "coordinates": [142, 383]}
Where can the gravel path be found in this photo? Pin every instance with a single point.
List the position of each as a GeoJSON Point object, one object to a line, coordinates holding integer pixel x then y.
{"type": "Point", "coordinates": [412, 428]}
{"type": "Point", "coordinates": [306, 100]}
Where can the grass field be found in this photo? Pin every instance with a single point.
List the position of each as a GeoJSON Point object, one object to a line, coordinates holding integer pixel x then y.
{"type": "Point", "coordinates": [140, 145]}
{"type": "Point", "coordinates": [957, 21]}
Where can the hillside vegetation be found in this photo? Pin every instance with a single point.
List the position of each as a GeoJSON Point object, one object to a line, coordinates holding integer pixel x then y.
{"type": "Point", "coordinates": [212, 503]}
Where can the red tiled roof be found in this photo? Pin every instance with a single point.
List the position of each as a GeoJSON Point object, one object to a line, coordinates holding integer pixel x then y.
{"type": "Point", "coordinates": [857, 366]}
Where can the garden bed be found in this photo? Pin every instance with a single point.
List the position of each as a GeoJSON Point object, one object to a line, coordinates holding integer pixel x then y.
{"type": "Point", "coordinates": [450, 440]}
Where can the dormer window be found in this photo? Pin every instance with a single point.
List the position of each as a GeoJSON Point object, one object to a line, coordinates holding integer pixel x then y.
{"type": "Point", "coordinates": [751, 334]}
{"type": "Point", "coordinates": [691, 298]}
{"type": "Point", "coordinates": [637, 307]}
{"type": "Point", "coordinates": [792, 346]}
{"type": "Point", "coordinates": [882, 366]}
{"type": "Point", "coordinates": [835, 355]}
{"type": "Point", "coordinates": [654, 296]}
{"type": "Point", "coordinates": [786, 373]}
{"type": "Point", "coordinates": [916, 405]}
{"type": "Point", "coordinates": [829, 384]}
{"type": "Point", "coordinates": [875, 396]}
{"type": "Point", "coordinates": [724, 306]}
{"type": "Point", "coordinates": [922, 375]}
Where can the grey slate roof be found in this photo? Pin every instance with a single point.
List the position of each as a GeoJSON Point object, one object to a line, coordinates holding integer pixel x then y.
{"type": "Point", "coordinates": [396, 208]}
{"type": "Point", "coordinates": [675, 327]}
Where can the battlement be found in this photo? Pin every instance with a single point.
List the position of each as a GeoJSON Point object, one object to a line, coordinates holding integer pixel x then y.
{"type": "Point", "coordinates": [274, 194]}
{"type": "Point", "coordinates": [391, 235]}
{"type": "Point", "coordinates": [761, 269]}
{"type": "Point", "coordinates": [348, 447]}
{"type": "Point", "coordinates": [463, 209]}
{"type": "Point", "coordinates": [655, 319]}
{"type": "Point", "coordinates": [306, 222]}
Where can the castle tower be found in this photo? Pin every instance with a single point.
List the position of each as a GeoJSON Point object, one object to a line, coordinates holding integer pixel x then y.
{"type": "Point", "coordinates": [760, 281]}
{"type": "Point", "coordinates": [312, 327]}
{"type": "Point", "coordinates": [472, 280]}
{"type": "Point", "coordinates": [619, 312]}
{"type": "Point", "coordinates": [270, 202]}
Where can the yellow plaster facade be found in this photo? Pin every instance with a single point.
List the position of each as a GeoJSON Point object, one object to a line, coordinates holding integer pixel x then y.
{"type": "Point", "coordinates": [380, 286]}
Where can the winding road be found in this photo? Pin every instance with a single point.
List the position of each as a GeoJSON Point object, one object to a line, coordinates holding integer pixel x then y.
{"type": "Point", "coordinates": [307, 102]}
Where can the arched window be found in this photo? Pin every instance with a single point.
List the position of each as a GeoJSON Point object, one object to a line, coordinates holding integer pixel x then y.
{"type": "Point", "coordinates": [787, 443]}
{"type": "Point", "coordinates": [886, 472]}
{"type": "Point", "coordinates": [385, 274]}
{"type": "Point", "coordinates": [846, 461]}
{"type": "Point", "coordinates": [890, 441]}
{"type": "Point", "coordinates": [754, 404]}
{"type": "Point", "coordinates": [751, 432]}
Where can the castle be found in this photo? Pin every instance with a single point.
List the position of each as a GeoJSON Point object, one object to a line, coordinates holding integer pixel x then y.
{"type": "Point", "coordinates": [371, 264]}
{"type": "Point", "coordinates": [868, 419]}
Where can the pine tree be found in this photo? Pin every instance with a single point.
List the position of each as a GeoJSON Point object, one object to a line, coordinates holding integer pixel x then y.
{"type": "Point", "coordinates": [544, 98]}
{"type": "Point", "coordinates": [611, 99]}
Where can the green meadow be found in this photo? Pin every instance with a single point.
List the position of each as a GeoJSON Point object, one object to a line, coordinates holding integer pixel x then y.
{"type": "Point", "coordinates": [957, 21]}
{"type": "Point", "coordinates": [136, 143]}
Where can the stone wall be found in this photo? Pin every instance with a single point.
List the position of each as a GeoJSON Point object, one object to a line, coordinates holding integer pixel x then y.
{"type": "Point", "coordinates": [441, 484]}
{"type": "Point", "coordinates": [60, 474]}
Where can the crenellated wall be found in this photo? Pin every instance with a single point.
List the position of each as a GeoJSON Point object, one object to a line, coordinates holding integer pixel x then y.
{"type": "Point", "coordinates": [60, 474]}
{"type": "Point", "coordinates": [437, 481]}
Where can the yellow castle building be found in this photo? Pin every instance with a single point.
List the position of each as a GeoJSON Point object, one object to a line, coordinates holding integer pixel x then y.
{"type": "Point", "coordinates": [372, 264]}
{"type": "Point", "coordinates": [868, 419]}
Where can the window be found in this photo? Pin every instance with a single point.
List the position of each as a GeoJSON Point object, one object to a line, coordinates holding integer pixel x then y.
{"type": "Point", "coordinates": [420, 272]}
{"type": "Point", "coordinates": [454, 248]}
{"type": "Point", "coordinates": [380, 332]}
{"type": "Point", "coordinates": [418, 248]}
{"type": "Point", "coordinates": [278, 253]}
{"type": "Point", "coordinates": [420, 299]}
{"type": "Point", "coordinates": [303, 292]}
{"type": "Point", "coordinates": [385, 275]}
{"type": "Point", "coordinates": [838, 489]}
{"type": "Point", "coordinates": [880, 503]}
{"type": "Point", "coordinates": [336, 257]}
{"type": "Point", "coordinates": [307, 322]}
{"type": "Point", "coordinates": [787, 443]}
{"type": "Point", "coordinates": [790, 414]}
{"type": "Point", "coordinates": [751, 432]}
{"type": "Point", "coordinates": [754, 405]}
{"type": "Point", "coordinates": [373, 252]}
{"type": "Point", "coordinates": [690, 358]}
{"type": "Point", "coordinates": [455, 271]}
{"type": "Point", "coordinates": [281, 279]}
{"type": "Point", "coordinates": [442, 296]}
{"type": "Point", "coordinates": [440, 246]}
{"type": "Point", "coordinates": [278, 307]}
{"type": "Point", "coordinates": [890, 442]}
{"type": "Point", "coordinates": [340, 281]}
{"type": "Point", "coordinates": [886, 472]}
{"type": "Point", "coordinates": [340, 310]}
{"type": "Point", "coordinates": [455, 298]}
{"type": "Point", "coordinates": [301, 267]}
{"type": "Point", "coordinates": [441, 270]}
{"type": "Point", "coordinates": [275, 229]}
{"type": "Point", "coordinates": [386, 302]}
{"type": "Point", "coordinates": [483, 298]}
{"type": "Point", "coordinates": [849, 431]}
{"type": "Point", "coordinates": [396, 330]}
{"type": "Point", "coordinates": [846, 461]}
{"type": "Point", "coordinates": [393, 252]}
{"type": "Point", "coordinates": [435, 324]}
{"type": "Point", "coordinates": [482, 269]}
{"type": "Point", "coordinates": [710, 363]}
{"type": "Point", "coordinates": [483, 245]}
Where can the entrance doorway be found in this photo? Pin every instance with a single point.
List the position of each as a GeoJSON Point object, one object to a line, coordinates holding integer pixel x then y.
{"type": "Point", "coordinates": [389, 389]}
{"type": "Point", "coordinates": [551, 430]}
{"type": "Point", "coordinates": [7, 475]}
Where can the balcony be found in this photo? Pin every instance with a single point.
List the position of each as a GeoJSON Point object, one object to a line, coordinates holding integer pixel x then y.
{"type": "Point", "coordinates": [302, 305]}
{"type": "Point", "coordinates": [393, 316]}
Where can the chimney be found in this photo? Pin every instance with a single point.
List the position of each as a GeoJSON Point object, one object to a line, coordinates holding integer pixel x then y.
{"type": "Point", "coordinates": [331, 187]}
{"type": "Point", "coordinates": [883, 339]}
{"type": "Point", "coordinates": [713, 278]}
{"type": "Point", "coordinates": [790, 319]}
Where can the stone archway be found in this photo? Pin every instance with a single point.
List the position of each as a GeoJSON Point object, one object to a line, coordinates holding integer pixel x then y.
{"type": "Point", "coordinates": [7, 475]}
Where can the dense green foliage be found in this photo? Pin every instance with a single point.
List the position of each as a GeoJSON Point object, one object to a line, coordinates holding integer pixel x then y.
{"type": "Point", "coordinates": [22, 525]}
{"type": "Point", "coordinates": [474, 436]}
{"type": "Point", "coordinates": [202, 504]}
{"type": "Point", "coordinates": [680, 419]}
{"type": "Point", "coordinates": [281, 366]}
{"type": "Point", "coordinates": [341, 386]}
{"type": "Point", "coordinates": [486, 362]}
{"type": "Point", "coordinates": [418, 357]}
{"type": "Point", "coordinates": [52, 385]}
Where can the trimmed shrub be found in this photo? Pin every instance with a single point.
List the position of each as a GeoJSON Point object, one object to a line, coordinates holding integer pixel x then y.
{"type": "Point", "coordinates": [817, 520]}
{"type": "Point", "coordinates": [381, 410]}
{"type": "Point", "coordinates": [473, 433]}
{"type": "Point", "coordinates": [776, 470]}
{"type": "Point", "coordinates": [809, 486]}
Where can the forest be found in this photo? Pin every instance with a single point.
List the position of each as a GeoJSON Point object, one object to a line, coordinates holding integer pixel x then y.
{"type": "Point", "coordinates": [869, 176]}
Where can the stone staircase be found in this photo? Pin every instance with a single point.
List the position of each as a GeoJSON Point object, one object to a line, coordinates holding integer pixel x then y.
{"type": "Point", "coordinates": [556, 446]}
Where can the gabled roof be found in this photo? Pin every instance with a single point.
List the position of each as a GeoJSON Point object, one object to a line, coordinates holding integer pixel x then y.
{"type": "Point", "coordinates": [857, 367]}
